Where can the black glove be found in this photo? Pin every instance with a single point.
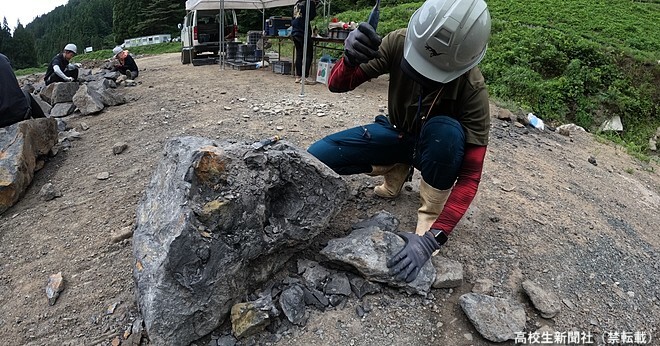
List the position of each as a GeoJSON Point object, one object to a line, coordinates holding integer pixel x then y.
{"type": "Point", "coordinates": [361, 45]}
{"type": "Point", "coordinates": [405, 265]}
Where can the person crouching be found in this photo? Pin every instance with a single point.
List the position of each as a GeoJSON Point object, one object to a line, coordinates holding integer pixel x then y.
{"type": "Point", "coordinates": [60, 68]}
{"type": "Point", "coordinates": [125, 64]}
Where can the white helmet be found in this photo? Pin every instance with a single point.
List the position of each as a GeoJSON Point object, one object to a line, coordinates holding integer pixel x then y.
{"type": "Point", "coordinates": [446, 38]}
{"type": "Point", "coordinates": [117, 50]}
{"type": "Point", "coordinates": [72, 48]}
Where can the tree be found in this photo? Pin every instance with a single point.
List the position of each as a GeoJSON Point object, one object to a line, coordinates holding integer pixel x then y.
{"type": "Point", "coordinates": [5, 37]}
{"type": "Point", "coordinates": [23, 48]}
{"type": "Point", "coordinates": [125, 18]}
{"type": "Point", "coordinates": [160, 16]}
{"type": "Point", "coordinates": [83, 22]}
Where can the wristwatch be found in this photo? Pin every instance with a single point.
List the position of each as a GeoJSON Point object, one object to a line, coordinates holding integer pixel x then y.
{"type": "Point", "coordinates": [439, 235]}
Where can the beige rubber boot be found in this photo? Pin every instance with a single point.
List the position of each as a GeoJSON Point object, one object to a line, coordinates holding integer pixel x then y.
{"type": "Point", "coordinates": [433, 200]}
{"type": "Point", "coordinates": [395, 176]}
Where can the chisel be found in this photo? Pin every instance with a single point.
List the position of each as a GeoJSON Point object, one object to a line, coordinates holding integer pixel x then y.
{"type": "Point", "coordinates": [264, 142]}
{"type": "Point", "coordinates": [374, 15]}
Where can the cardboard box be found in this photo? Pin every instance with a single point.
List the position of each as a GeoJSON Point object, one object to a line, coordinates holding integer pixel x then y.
{"type": "Point", "coordinates": [323, 71]}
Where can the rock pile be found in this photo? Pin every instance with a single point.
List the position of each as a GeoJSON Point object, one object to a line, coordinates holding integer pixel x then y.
{"type": "Point", "coordinates": [23, 145]}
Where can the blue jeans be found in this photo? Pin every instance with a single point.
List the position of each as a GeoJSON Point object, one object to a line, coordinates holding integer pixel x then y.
{"type": "Point", "coordinates": [437, 152]}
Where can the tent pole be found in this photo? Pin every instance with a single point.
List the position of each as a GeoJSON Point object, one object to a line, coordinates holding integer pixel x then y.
{"type": "Point", "coordinates": [304, 59]}
{"type": "Point", "coordinates": [263, 36]}
{"type": "Point", "coordinates": [221, 39]}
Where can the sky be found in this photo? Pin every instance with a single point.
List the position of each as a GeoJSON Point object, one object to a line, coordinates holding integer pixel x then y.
{"type": "Point", "coordinates": [26, 10]}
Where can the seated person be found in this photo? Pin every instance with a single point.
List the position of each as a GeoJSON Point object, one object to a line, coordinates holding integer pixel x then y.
{"type": "Point", "coordinates": [60, 69]}
{"type": "Point", "coordinates": [125, 63]}
{"type": "Point", "coordinates": [15, 104]}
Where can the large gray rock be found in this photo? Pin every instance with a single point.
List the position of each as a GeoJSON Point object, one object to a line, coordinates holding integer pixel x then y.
{"type": "Point", "coordinates": [20, 146]}
{"type": "Point", "coordinates": [112, 97]}
{"type": "Point", "coordinates": [105, 88]}
{"type": "Point", "coordinates": [101, 84]}
{"type": "Point", "coordinates": [59, 92]}
{"type": "Point", "coordinates": [496, 319]}
{"type": "Point", "coordinates": [367, 251]}
{"type": "Point", "coordinates": [216, 222]}
{"type": "Point", "coordinates": [45, 106]}
{"type": "Point", "coordinates": [62, 109]}
{"type": "Point", "coordinates": [88, 101]}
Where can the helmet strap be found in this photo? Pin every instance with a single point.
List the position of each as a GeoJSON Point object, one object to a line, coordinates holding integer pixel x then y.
{"type": "Point", "coordinates": [428, 85]}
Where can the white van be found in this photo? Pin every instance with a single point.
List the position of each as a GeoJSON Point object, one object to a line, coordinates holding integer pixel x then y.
{"type": "Point", "coordinates": [200, 32]}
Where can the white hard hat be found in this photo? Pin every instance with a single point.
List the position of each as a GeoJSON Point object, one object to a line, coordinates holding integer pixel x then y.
{"type": "Point", "coordinates": [116, 50]}
{"type": "Point", "coordinates": [71, 47]}
{"type": "Point", "coordinates": [446, 38]}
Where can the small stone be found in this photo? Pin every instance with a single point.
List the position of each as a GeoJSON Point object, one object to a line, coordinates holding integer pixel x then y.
{"type": "Point", "coordinates": [49, 192]}
{"type": "Point", "coordinates": [84, 126]}
{"type": "Point", "coordinates": [483, 286]}
{"type": "Point", "coordinates": [119, 148]}
{"type": "Point", "coordinates": [360, 311]}
{"type": "Point", "coordinates": [111, 308]}
{"type": "Point", "coordinates": [227, 108]}
{"type": "Point", "coordinates": [103, 176]}
{"type": "Point", "coordinates": [592, 160]}
{"type": "Point", "coordinates": [54, 287]}
{"type": "Point", "coordinates": [546, 303]}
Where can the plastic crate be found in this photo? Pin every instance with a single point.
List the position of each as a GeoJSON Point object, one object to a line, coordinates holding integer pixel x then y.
{"type": "Point", "coordinates": [253, 37]}
{"type": "Point", "coordinates": [238, 65]}
{"type": "Point", "coordinates": [281, 67]}
{"type": "Point", "coordinates": [339, 33]}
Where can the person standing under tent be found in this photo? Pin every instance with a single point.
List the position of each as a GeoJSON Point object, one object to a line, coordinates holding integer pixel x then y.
{"type": "Point", "coordinates": [298, 26]}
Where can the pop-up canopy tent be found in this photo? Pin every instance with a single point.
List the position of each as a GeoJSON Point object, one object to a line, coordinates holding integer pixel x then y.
{"type": "Point", "coordinates": [261, 5]}
{"type": "Point", "coordinates": [236, 4]}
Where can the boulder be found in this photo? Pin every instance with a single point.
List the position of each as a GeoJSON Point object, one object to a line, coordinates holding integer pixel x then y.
{"type": "Point", "coordinates": [62, 109]}
{"type": "Point", "coordinates": [112, 97]}
{"type": "Point", "coordinates": [88, 101]}
{"type": "Point", "coordinates": [59, 92]}
{"type": "Point", "coordinates": [45, 106]}
{"type": "Point", "coordinates": [20, 146]}
{"type": "Point", "coordinates": [219, 219]}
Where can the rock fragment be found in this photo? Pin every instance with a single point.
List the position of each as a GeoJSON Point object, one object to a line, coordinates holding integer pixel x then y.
{"type": "Point", "coordinates": [448, 273]}
{"type": "Point", "coordinates": [547, 303]}
{"type": "Point", "coordinates": [49, 192]}
{"type": "Point", "coordinates": [496, 319]}
{"type": "Point", "coordinates": [54, 287]}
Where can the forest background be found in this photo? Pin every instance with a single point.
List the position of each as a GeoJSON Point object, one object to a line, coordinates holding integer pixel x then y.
{"type": "Point", "coordinates": [564, 60]}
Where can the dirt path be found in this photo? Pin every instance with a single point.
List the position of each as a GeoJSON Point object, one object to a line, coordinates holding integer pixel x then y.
{"type": "Point", "coordinates": [543, 212]}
